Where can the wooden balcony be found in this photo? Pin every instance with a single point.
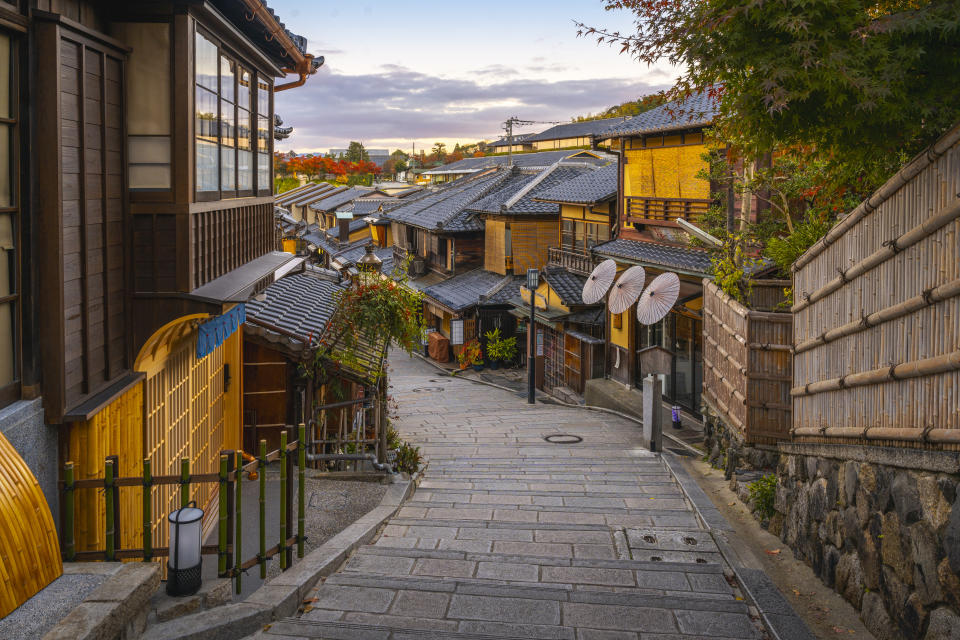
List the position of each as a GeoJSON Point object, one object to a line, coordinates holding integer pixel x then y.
{"type": "Point", "coordinates": [748, 361]}
{"type": "Point", "coordinates": [399, 255]}
{"type": "Point", "coordinates": [229, 236]}
{"type": "Point", "coordinates": [576, 261]}
{"type": "Point", "coordinates": [663, 210]}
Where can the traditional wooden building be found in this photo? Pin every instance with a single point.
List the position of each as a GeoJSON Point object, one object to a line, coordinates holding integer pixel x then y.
{"type": "Point", "coordinates": [139, 216]}
{"type": "Point", "coordinates": [589, 134]}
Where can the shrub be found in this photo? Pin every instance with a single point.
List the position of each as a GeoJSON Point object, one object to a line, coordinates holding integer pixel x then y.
{"type": "Point", "coordinates": [499, 348]}
{"type": "Point", "coordinates": [408, 458]}
{"type": "Point", "coordinates": [762, 493]}
{"type": "Point", "coordinates": [470, 354]}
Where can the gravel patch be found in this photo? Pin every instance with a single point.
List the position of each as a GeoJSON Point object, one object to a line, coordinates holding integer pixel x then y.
{"type": "Point", "coordinates": [42, 612]}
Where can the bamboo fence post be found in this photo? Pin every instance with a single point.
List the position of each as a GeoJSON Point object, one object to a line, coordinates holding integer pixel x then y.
{"type": "Point", "coordinates": [108, 480]}
{"type": "Point", "coordinates": [69, 489]}
{"type": "Point", "coordinates": [184, 482]}
{"type": "Point", "coordinates": [238, 522]}
{"type": "Point", "coordinates": [222, 525]}
{"type": "Point", "coordinates": [283, 501]}
{"type": "Point", "coordinates": [117, 539]}
{"type": "Point", "coordinates": [231, 506]}
{"type": "Point", "coordinates": [301, 466]}
{"type": "Point", "coordinates": [262, 556]}
{"type": "Point", "coordinates": [147, 516]}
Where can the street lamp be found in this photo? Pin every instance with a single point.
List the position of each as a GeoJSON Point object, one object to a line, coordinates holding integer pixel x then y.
{"type": "Point", "coordinates": [369, 264]}
{"type": "Point", "coordinates": [184, 563]}
{"type": "Point", "coordinates": [533, 281]}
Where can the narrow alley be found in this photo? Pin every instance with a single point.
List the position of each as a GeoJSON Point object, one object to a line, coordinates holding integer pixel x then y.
{"type": "Point", "coordinates": [511, 536]}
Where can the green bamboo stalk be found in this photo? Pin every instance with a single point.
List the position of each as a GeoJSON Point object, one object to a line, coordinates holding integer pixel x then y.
{"type": "Point", "coordinates": [301, 466]}
{"type": "Point", "coordinates": [283, 500]}
{"type": "Point", "coordinates": [222, 528]}
{"type": "Point", "coordinates": [147, 516]}
{"type": "Point", "coordinates": [69, 544]}
{"type": "Point", "coordinates": [263, 509]}
{"type": "Point", "coordinates": [184, 482]}
{"type": "Point", "coordinates": [108, 498]}
{"type": "Point", "coordinates": [238, 523]}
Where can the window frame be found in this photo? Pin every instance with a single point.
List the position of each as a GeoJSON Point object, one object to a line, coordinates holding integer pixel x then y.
{"type": "Point", "coordinates": [240, 65]}
{"type": "Point", "coordinates": [11, 392]}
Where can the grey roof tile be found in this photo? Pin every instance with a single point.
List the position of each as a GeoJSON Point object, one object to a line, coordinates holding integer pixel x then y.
{"type": "Point", "coordinates": [446, 209]}
{"type": "Point", "coordinates": [330, 203]}
{"type": "Point", "coordinates": [518, 180]}
{"type": "Point", "coordinates": [301, 303]}
{"type": "Point", "coordinates": [566, 284]}
{"type": "Point", "coordinates": [657, 255]}
{"type": "Point", "coordinates": [576, 130]}
{"type": "Point", "coordinates": [589, 188]}
{"type": "Point", "coordinates": [464, 290]}
{"type": "Point", "coordinates": [539, 159]}
{"type": "Point", "coordinates": [697, 110]}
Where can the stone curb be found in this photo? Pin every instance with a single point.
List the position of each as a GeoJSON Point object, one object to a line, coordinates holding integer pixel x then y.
{"type": "Point", "coordinates": [551, 400]}
{"type": "Point", "coordinates": [117, 607]}
{"type": "Point", "coordinates": [282, 596]}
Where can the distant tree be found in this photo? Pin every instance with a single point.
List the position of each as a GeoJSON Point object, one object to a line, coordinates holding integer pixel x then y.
{"type": "Point", "coordinates": [450, 158]}
{"type": "Point", "coordinates": [439, 150]}
{"type": "Point", "coordinates": [356, 153]}
{"type": "Point", "coordinates": [627, 109]}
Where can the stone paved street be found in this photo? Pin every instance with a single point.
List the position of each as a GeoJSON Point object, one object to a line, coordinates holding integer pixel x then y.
{"type": "Point", "coordinates": [510, 536]}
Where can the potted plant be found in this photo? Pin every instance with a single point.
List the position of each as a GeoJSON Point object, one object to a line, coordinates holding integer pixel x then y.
{"type": "Point", "coordinates": [500, 349]}
{"type": "Point", "coordinates": [471, 354]}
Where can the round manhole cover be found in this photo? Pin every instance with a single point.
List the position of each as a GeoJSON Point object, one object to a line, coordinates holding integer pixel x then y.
{"type": "Point", "coordinates": [563, 438]}
{"type": "Point", "coordinates": [426, 389]}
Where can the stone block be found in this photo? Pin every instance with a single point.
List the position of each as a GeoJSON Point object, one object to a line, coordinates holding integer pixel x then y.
{"type": "Point", "coordinates": [601, 616]}
{"type": "Point", "coordinates": [876, 618]}
{"type": "Point", "coordinates": [906, 497]}
{"type": "Point", "coordinates": [420, 604]}
{"type": "Point", "coordinates": [725, 625]}
{"type": "Point", "coordinates": [508, 571]}
{"type": "Point", "coordinates": [282, 600]}
{"type": "Point", "coordinates": [400, 622]}
{"type": "Point", "coordinates": [469, 607]}
{"type": "Point", "coordinates": [93, 620]}
{"type": "Point", "coordinates": [346, 598]}
{"type": "Point", "coordinates": [665, 580]}
{"type": "Point", "coordinates": [443, 567]}
{"type": "Point", "coordinates": [586, 575]}
{"type": "Point", "coordinates": [488, 629]}
{"type": "Point", "coordinates": [223, 623]}
{"type": "Point", "coordinates": [944, 625]}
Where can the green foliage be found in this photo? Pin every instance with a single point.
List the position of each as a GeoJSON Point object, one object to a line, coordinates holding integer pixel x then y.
{"type": "Point", "coordinates": [408, 459]}
{"type": "Point", "coordinates": [393, 437]}
{"type": "Point", "coordinates": [363, 179]}
{"type": "Point", "coordinates": [763, 493]}
{"type": "Point", "coordinates": [732, 266]}
{"type": "Point", "coordinates": [285, 184]}
{"type": "Point", "coordinates": [500, 348]}
{"type": "Point", "coordinates": [785, 251]}
{"type": "Point", "coordinates": [356, 152]}
{"type": "Point", "coordinates": [471, 353]}
{"type": "Point", "coordinates": [626, 109]}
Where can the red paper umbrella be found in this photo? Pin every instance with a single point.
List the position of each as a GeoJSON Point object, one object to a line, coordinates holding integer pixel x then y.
{"type": "Point", "coordinates": [599, 281]}
{"type": "Point", "coordinates": [658, 299]}
{"type": "Point", "coordinates": [627, 289]}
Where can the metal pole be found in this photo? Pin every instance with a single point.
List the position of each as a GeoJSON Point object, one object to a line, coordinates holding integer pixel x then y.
{"type": "Point", "coordinates": [222, 528]}
{"type": "Point", "coordinates": [238, 532]}
{"type": "Point", "coordinates": [108, 499]}
{"type": "Point", "coordinates": [69, 489]}
{"type": "Point", "coordinates": [532, 358]}
{"type": "Point", "coordinates": [301, 467]}
{"type": "Point", "coordinates": [262, 556]}
{"type": "Point", "coordinates": [147, 516]}
{"type": "Point", "coordinates": [283, 501]}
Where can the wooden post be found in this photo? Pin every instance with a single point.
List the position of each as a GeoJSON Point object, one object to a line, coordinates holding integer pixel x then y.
{"type": "Point", "coordinates": [184, 482]}
{"type": "Point", "coordinates": [301, 467]}
{"type": "Point", "coordinates": [69, 489]}
{"type": "Point", "coordinates": [380, 421]}
{"type": "Point", "coordinates": [289, 488]}
{"type": "Point", "coordinates": [231, 504]}
{"type": "Point", "coordinates": [117, 542]}
{"type": "Point", "coordinates": [283, 501]}
{"type": "Point", "coordinates": [238, 522]}
{"type": "Point", "coordinates": [108, 478]}
{"type": "Point", "coordinates": [222, 525]}
{"type": "Point", "coordinates": [261, 557]}
{"type": "Point", "coordinates": [147, 516]}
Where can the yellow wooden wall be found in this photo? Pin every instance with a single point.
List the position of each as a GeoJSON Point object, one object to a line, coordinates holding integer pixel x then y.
{"type": "Point", "coordinates": [530, 241]}
{"type": "Point", "coordinates": [494, 245]}
{"type": "Point", "coordinates": [666, 172]}
{"type": "Point", "coordinates": [290, 245]}
{"type": "Point", "coordinates": [29, 549]}
{"type": "Point", "coordinates": [116, 430]}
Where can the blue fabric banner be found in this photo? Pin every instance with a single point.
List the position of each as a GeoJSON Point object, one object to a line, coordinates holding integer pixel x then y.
{"type": "Point", "coordinates": [215, 331]}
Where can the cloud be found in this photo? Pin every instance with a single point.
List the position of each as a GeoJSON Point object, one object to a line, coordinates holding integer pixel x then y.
{"type": "Point", "coordinates": [398, 103]}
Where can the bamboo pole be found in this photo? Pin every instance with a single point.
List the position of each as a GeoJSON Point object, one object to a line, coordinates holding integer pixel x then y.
{"type": "Point", "coordinates": [109, 533]}
{"type": "Point", "coordinates": [222, 527]}
{"type": "Point", "coordinates": [147, 515]}
{"type": "Point", "coordinates": [301, 470]}
{"type": "Point", "coordinates": [262, 556]}
{"type": "Point", "coordinates": [238, 522]}
{"type": "Point", "coordinates": [69, 499]}
{"type": "Point", "coordinates": [283, 500]}
{"type": "Point", "coordinates": [914, 369]}
{"type": "Point", "coordinates": [184, 482]}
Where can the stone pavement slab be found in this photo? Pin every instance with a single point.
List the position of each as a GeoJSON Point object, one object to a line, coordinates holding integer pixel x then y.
{"type": "Point", "coordinates": [509, 536]}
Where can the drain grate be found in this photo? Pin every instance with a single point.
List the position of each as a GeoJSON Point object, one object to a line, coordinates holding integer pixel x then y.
{"type": "Point", "coordinates": [563, 438]}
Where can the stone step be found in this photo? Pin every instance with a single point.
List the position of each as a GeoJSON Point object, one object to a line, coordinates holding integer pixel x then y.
{"type": "Point", "coordinates": [674, 518]}
{"type": "Point", "coordinates": [553, 490]}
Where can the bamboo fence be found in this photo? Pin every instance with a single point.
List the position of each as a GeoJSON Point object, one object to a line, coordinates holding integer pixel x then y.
{"type": "Point", "coordinates": [747, 361]}
{"type": "Point", "coordinates": [876, 323]}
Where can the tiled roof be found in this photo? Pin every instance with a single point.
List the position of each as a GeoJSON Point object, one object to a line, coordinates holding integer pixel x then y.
{"type": "Point", "coordinates": [332, 202]}
{"type": "Point", "coordinates": [519, 180]}
{"type": "Point", "coordinates": [293, 195]}
{"type": "Point", "coordinates": [657, 255]}
{"type": "Point", "coordinates": [566, 284]}
{"type": "Point", "coordinates": [447, 208]}
{"type": "Point", "coordinates": [301, 303]}
{"type": "Point", "coordinates": [523, 160]}
{"type": "Point", "coordinates": [589, 188]}
{"type": "Point", "coordinates": [350, 256]}
{"type": "Point", "coordinates": [509, 290]}
{"type": "Point", "coordinates": [357, 224]}
{"type": "Point", "coordinates": [517, 139]}
{"type": "Point", "coordinates": [316, 196]}
{"type": "Point", "coordinates": [697, 110]}
{"type": "Point", "coordinates": [464, 290]}
{"type": "Point", "coordinates": [576, 130]}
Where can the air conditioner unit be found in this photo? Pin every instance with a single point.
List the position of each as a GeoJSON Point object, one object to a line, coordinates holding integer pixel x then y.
{"type": "Point", "coordinates": [418, 267]}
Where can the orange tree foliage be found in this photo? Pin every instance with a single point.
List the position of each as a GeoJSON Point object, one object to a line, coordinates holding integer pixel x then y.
{"type": "Point", "coordinates": [316, 167]}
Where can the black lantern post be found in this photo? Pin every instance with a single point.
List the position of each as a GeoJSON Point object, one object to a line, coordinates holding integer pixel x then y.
{"type": "Point", "coordinates": [533, 281]}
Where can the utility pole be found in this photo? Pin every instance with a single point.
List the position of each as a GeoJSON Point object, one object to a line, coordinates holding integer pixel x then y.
{"type": "Point", "coordinates": [508, 127]}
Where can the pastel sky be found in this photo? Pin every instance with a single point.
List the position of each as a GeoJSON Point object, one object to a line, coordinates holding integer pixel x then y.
{"type": "Point", "coordinates": [425, 71]}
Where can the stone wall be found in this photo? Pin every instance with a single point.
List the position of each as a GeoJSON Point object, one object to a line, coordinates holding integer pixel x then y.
{"type": "Point", "coordinates": [882, 528]}
{"type": "Point", "coordinates": [726, 449]}
{"type": "Point", "coordinates": [22, 424]}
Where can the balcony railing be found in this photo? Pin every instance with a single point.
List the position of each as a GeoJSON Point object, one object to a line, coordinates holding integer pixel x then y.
{"type": "Point", "coordinates": [571, 259]}
{"type": "Point", "coordinates": [399, 255]}
{"type": "Point", "coordinates": [664, 209]}
{"type": "Point", "coordinates": [229, 236]}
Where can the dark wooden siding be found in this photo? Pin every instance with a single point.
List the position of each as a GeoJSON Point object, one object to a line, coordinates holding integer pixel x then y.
{"type": "Point", "coordinates": [229, 237]}
{"type": "Point", "coordinates": [468, 252]}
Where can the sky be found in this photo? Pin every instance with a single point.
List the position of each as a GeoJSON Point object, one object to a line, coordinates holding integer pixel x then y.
{"type": "Point", "coordinates": [399, 74]}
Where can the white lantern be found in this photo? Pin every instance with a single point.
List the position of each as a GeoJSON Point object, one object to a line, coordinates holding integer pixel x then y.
{"type": "Point", "coordinates": [456, 331]}
{"type": "Point", "coordinates": [184, 562]}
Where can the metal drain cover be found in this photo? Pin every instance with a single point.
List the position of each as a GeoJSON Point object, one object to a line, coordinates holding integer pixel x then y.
{"type": "Point", "coordinates": [426, 389]}
{"type": "Point", "coordinates": [563, 438]}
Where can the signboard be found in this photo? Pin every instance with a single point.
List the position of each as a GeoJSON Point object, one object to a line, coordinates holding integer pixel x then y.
{"type": "Point", "coordinates": [539, 344]}
{"type": "Point", "coordinates": [655, 360]}
{"type": "Point", "coordinates": [456, 332]}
